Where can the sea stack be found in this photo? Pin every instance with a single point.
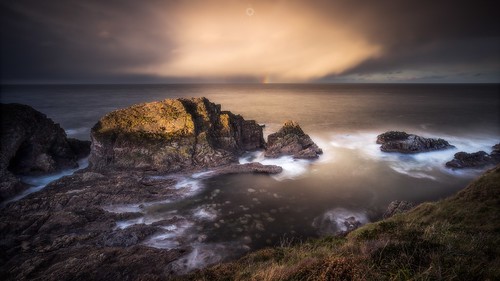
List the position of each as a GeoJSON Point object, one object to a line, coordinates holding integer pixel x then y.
{"type": "Point", "coordinates": [172, 135]}
{"type": "Point", "coordinates": [291, 140]}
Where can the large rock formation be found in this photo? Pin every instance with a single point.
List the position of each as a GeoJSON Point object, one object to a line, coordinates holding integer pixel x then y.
{"type": "Point", "coordinates": [172, 135]}
{"type": "Point", "coordinates": [475, 160]}
{"type": "Point", "coordinates": [291, 140]}
{"type": "Point", "coordinates": [31, 144]}
{"type": "Point", "coordinates": [394, 141]}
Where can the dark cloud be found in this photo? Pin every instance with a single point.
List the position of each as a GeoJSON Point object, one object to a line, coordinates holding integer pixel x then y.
{"type": "Point", "coordinates": [93, 41]}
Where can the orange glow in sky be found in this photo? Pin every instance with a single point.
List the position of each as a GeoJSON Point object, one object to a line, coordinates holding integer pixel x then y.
{"type": "Point", "coordinates": [273, 42]}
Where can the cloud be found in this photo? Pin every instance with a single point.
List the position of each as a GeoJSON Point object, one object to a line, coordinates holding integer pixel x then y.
{"type": "Point", "coordinates": [278, 41]}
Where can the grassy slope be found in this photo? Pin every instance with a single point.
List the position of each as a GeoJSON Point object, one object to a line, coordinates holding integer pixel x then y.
{"type": "Point", "coordinates": [457, 238]}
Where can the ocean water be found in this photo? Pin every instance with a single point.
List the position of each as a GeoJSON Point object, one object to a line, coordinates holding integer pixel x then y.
{"type": "Point", "coordinates": [225, 216]}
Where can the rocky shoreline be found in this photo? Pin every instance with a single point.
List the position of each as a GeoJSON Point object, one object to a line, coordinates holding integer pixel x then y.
{"type": "Point", "coordinates": [138, 157]}
{"type": "Point", "coordinates": [92, 223]}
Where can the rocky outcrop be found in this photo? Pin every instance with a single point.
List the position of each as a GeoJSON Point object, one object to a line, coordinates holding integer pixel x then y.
{"type": "Point", "coordinates": [394, 141]}
{"type": "Point", "coordinates": [31, 144]}
{"type": "Point", "coordinates": [398, 207]}
{"type": "Point", "coordinates": [496, 152]}
{"type": "Point", "coordinates": [291, 140]}
{"type": "Point", "coordinates": [475, 160]}
{"type": "Point", "coordinates": [172, 135]}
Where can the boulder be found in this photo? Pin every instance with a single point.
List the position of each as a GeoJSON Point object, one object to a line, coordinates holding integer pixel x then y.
{"type": "Point", "coordinates": [172, 136]}
{"type": "Point", "coordinates": [291, 140]}
{"type": "Point", "coordinates": [398, 207]}
{"type": "Point", "coordinates": [31, 144]}
{"type": "Point", "coordinates": [394, 141]}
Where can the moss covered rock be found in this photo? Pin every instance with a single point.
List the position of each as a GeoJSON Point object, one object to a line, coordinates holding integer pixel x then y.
{"type": "Point", "coordinates": [172, 135]}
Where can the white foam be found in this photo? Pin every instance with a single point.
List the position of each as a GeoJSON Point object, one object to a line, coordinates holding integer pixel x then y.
{"type": "Point", "coordinates": [170, 238]}
{"type": "Point", "coordinates": [421, 165]}
{"type": "Point", "coordinates": [205, 254]}
{"type": "Point", "coordinates": [118, 209]}
{"type": "Point", "coordinates": [292, 168]}
{"type": "Point", "coordinates": [39, 182]}
{"type": "Point", "coordinates": [202, 175]}
{"type": "Point", "coordinates": [333, 221]}
{"type": "Point", "coordinates": [142, 220]}
{"type": "Point", "coordinates": [192, 186]}
{"type": "Point", "coordinates": [205, 213]}
{"type": "Point", "coordinates": [77, 131]}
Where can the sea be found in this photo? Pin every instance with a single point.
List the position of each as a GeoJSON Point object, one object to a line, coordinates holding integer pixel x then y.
{"type": "Point", "coordinates": [226, 216]}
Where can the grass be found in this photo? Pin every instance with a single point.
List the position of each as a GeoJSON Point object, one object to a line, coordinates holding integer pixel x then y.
{"type": "Point", "coordinates": [454, 239]}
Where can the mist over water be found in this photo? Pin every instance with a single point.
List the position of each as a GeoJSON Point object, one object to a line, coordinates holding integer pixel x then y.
{"type": "Point", "coordinates": [228, 215]}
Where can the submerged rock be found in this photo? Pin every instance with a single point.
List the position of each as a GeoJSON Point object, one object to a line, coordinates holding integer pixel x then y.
{"type": "Point", "coordinates": [398, 207]}
{"type": "Point", "coordinates": [394, 141]}
{"type": "Point", "coordinates": [31, 144]}
{"type": "Point", "coordinates": [172, 135]}
{"type": "Point", "coordinates": [291, 140]}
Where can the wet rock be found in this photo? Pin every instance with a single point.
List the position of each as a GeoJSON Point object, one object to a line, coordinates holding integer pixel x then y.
{"type": "Point", "coordinates": [31, 144]}
{"type": "Point", "coordinates": [394, 141]}
{"type": "Point", "coordinates": [129, 236]}
{"type": "Point", "coordinates": [291, 140]}
{"type": "Point", "coordinates": [397, 207]}
{"type": "Point", "coordinates": [351, 223]}
{"type": "Point", "coordinates": [478, 159]}
{"type": "Point", "coordinates": [254, 167]}
{"type": "Point", "coordinates": [10, 185]}
{"type": "Point", "coordinates": [171, 136]}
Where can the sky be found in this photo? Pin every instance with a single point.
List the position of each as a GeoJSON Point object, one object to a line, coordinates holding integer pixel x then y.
{"type": "Point", "coordinates": [254, 41]}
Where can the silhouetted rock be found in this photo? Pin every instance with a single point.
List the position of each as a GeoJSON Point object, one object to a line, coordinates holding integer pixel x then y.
{"type": "Point", "coordinates": [469, 160]}
{"type": "Point", "coordinates": [291, 140]}
{"type": "Point", "coordinates": [31, 144]}
{"type": "Point", "coordinates": [398, 207]}
{"type": "Point", "coordinates": [478, 159]}
{"type": "Point", "coordinates": [496, 152]}
{"type": "Point", "coordinates": [394, 141]}
{"type": "Point", "coordinates": [172, 136]}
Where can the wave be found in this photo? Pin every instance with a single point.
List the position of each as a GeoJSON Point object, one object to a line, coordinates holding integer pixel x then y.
{"type": "Point", "coordinates": [427, 165]}
{"type": "Point", "coordinates": [292, 168]}
{"type": "Point", "coordinates": [339, 220]}
{"type": "Point", "coordinates": [39, 182]}
{"type": "Point", "coordinates": [78, 131]}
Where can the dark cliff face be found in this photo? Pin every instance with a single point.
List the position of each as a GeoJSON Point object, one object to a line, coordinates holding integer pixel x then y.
{"type": "Point", "coordinates": [31, 144]}
{"type": "Point", "coordinates": [172, 135]}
